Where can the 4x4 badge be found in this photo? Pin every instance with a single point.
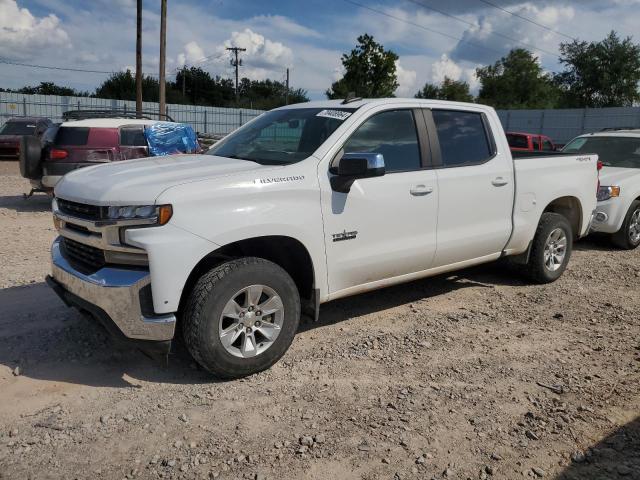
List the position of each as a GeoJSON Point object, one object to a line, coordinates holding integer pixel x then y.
{"type": "Point", "coordinates": [339, 237]}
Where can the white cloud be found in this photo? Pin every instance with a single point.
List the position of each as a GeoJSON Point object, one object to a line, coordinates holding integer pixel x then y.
{"type": "Point", "coordinates": [406, 79]}
{"type": "Point", "coordinates": [193, 53]}
{"type": "Point", "coordinates": [24, 36]}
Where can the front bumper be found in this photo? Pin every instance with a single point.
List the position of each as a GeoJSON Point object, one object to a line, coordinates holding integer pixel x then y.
{"type": "Point", "coordinates": [119, 297]}
{"type": "Point", "coordinates": [608, 216]}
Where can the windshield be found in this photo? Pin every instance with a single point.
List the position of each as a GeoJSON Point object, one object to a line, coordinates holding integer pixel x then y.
{"type": "Point", "coordinates": [612, 151]}
{"type": "Point", "coordinates": [18, 128]}
{"type": "Point", "coordinates": [281, 137]}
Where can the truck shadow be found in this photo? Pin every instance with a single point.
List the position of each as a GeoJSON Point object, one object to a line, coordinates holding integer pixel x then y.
{"type": "Point", "coordinates": [615, 456]}
{"type": "Point", "coordinates": [51, 342]}
{"type": "Point", "coordinates": [39, 202]}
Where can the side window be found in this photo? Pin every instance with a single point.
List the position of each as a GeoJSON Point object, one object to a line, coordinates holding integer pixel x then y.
{"type": "Point", "coordinates": [547, 146]}
{"type": "Point", "coordinates": [393, 134]}
{"type": "Point", "coordinates": [463, 138]}
{"type": "Point", "coordinates": [132, 137]}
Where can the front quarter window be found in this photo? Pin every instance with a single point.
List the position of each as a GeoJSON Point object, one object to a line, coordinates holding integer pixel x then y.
{"type": "Point", "coordinates": [282, 137]}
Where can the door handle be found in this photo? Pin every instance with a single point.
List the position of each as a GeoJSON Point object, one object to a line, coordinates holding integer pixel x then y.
{"type": "Point", "coordinates": [499, 182]}
{"type": "Point", "coordinates": [420, 190]}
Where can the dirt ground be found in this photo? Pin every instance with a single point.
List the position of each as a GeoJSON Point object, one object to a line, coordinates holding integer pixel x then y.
{"type": "Point", "coordinates": [475, 375]}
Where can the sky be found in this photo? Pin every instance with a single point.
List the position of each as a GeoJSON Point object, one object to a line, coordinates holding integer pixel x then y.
{"type": "Point", "coordinates": [433, 38]}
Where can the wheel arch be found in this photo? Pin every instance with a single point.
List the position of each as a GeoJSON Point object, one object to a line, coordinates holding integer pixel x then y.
{"type": "Point", "coordinates": [569, 207]}
{"type": "Point", "coordinates": [287, 252]}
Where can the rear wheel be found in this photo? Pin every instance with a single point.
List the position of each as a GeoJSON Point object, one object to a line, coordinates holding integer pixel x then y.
{"type": "Point", "coordinates": [628, 237]}
{"type": "Point", "coordinates": [551, 249]}
{"type": "Point", "coordinates": [241, 317]}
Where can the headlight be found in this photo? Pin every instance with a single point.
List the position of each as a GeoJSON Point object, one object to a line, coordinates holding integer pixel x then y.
{"type": "Point", "coordinates": [607, 192]}
{"type": "Point", "coordinates": [162, 213]}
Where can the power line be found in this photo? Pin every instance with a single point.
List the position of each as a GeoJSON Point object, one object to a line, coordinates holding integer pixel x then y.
{"type": "Point", "coordinates": [65, 69]}
{"type": "Point", "coordinates": [521, 17]}
{"type": "Point", "coordinates": [409, 22]}
{"type": "Point", "coordinates": [471, 24]}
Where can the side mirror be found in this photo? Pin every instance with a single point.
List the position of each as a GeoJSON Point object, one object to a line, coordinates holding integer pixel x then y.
{"type": "Point", "coordinates": [353, 166]}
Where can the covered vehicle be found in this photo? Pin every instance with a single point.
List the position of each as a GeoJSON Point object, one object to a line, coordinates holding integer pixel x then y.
{"type": "Point", "coordinates": [17, 127]}
{"type": "Point", "coordinates": [87, 142]}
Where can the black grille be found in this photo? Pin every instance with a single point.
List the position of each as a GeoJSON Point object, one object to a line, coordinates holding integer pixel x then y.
{"type": "Point", "coordinates": [83, 257]}
{"type": "Point", "coordinates": [88, 212]}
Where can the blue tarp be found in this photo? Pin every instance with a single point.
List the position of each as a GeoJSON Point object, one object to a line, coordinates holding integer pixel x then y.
{"type": "Point", "coordinates": [167, 138]}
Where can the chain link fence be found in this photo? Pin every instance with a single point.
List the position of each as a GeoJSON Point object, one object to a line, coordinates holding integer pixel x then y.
{"type": "Point", "coordinates": [563, 125]}
{"type": "Point", "coordinates": [211, 120]}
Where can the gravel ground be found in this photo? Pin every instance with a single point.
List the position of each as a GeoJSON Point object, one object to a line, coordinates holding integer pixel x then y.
{"type": "Point", "coordinates": [475, 375]}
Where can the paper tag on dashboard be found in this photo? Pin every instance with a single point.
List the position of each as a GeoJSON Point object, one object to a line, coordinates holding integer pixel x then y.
{"type": "Point", "coordinates": [336, 114]}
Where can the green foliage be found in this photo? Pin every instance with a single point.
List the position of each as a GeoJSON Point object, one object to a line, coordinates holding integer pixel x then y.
{"type": "Point", "coordinates": [370, 71]}
{"type": "Point", "coordinates": [600, 74]}
{"type": "Point", "coordinates": [267, 94]}
{"type": "Point", "coordinates": [202, 89]}
{"type": "Point", "coordinates": [517, 81]}
{"type": "Point", "coordinates": [50, 88]}
{"type": "Point", "coordinates": [454, 90]}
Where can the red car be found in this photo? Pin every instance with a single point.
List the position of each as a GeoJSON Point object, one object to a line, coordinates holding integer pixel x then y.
{"type": "Point", "coordinates": [529, 142]}
{"type": "Point", "coordinates": [17, 127]}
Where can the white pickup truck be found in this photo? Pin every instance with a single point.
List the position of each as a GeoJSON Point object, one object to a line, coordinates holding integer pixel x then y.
{"type": "Point", "coordinates": [302, 205]}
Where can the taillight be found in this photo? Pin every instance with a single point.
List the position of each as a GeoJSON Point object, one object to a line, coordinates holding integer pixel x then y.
{"type": "Point", "coordinates": [57, 154]}
{"type": "Point", "coordinates": [600, 164]}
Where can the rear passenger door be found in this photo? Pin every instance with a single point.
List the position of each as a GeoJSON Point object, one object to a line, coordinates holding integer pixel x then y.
{"type": "Point", "coordinates": [475, 186]}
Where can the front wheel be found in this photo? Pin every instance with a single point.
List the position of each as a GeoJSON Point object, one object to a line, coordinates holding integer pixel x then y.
{"type": "Point", "coordinates": [551, 249]}
{"type": "Point", "coordinates": [628, 237]}
{"type": "Point", "coordinates": [241, 317]}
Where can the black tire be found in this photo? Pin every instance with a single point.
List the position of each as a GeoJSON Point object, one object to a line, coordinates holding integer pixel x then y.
{"type": "Point", "coordinates": [622, 238]}
{"type": "Point", "coordinates": [536, 269]}
{"type": "Point", "coordinates": [30, 157]}
{"type": "Point", "coordinates": [201, 321]}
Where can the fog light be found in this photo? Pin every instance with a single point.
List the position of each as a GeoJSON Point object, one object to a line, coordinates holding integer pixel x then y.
{"type": "Point", "coordinates": [601, 217]}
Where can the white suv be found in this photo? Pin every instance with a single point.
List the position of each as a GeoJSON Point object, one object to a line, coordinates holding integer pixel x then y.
{"type": "Point", "coordinates": [618, 210]}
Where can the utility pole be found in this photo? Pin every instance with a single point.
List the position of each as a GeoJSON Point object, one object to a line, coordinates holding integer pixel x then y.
{"type": "Point", "coordinates": [236, 63]}
{"type": "Point", "coordinates": [184, 86]}
{"type": "Point", "coordinates": [286, 95]}
{"type": "Point", "coordinates": [139, 59]}
{"type": "Point", "coordinates": [163, 51]}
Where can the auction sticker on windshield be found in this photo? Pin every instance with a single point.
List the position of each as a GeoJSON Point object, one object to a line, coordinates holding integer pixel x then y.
{"type": "Point", "coordinates": [337, 114]}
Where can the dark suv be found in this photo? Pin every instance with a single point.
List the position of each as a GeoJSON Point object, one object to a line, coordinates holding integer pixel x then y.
{"type": "Point", "coordinates": [14, 129]}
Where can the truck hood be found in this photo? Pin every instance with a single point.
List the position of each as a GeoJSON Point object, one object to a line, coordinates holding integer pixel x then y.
{"type": "Point", "coordinates": [140, 181]}
{"type": "Point", "coordinates": [618, 175]}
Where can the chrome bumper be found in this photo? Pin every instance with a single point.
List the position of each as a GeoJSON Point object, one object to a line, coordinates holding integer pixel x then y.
{"type": "Point", "coordinates": [114, 294]}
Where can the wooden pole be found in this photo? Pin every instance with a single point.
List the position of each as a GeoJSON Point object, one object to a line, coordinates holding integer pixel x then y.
{"type": "Point", "coordinates": [163, 51]}
{"type": "Point", "coordinates": [139, 59]}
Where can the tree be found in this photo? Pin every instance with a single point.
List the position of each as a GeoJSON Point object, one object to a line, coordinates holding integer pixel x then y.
{"type": "Point", "coordinates": [454, 90]}
{"type": "Point", "coordinates": [517, 81]}
{"type": "Point", "coordinates": [122, 86]}
{"type": "Point", "coordinates": [203, 89]}
{"type": "Point", "coordinates": [370, 71]}
{"type": "Point", "coordinates": [267, 94]}
{"type": "Point", "coordinates": [50, 88]}
{"type": "Point", "coordinates": [600, 74]}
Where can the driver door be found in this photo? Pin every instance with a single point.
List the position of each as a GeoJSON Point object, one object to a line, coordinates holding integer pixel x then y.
{"type": "Point", "coordinates": [385, 226]}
